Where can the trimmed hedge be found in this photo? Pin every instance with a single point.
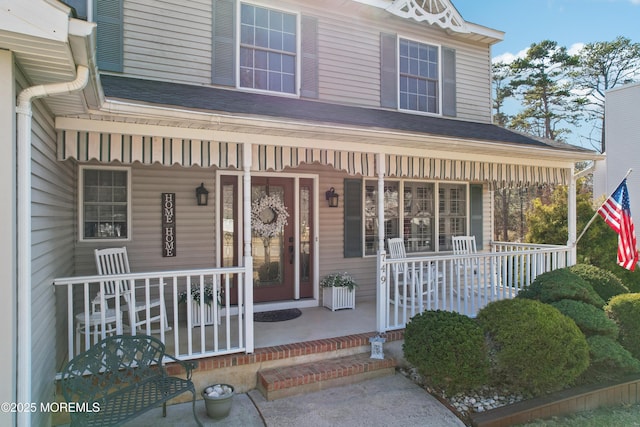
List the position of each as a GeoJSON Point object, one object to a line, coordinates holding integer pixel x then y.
{"type": "Point", "coordinates": [448, 349]}
{"type": "Point", "coordinates": [624, 309]}
{"type": "Point", "coordinates": [605, 283]}
{"type": "Point", "coordinates": [533, 347]}
{"type": "Point", "coordinates": [561, 284]}
{"type": "Point", "coordinates": [607, 354]}
{"type": "Point", "coordinates": [591, 320]}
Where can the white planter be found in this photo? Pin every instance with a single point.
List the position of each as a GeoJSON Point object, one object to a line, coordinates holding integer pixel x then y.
{"type": "Point", "coordinates": [336, 298]}
{"type": "Point", "coordinates": [196, 320]}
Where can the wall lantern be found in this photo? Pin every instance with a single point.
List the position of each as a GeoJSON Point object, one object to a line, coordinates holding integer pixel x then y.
{"type": "Point", "coordinates": [202, 195]}
{"type": "Point", "coordinates": [332, 197]}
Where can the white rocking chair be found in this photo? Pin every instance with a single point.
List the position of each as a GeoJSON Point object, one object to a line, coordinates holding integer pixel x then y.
{"type": "Point", "coordinates": [113, 261]}
{"type": "Point", "coordinates": [422, 287]}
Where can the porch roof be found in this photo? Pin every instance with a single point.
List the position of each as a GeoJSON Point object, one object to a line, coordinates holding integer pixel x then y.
{"type": "Point", "coordinates": [254, 104]}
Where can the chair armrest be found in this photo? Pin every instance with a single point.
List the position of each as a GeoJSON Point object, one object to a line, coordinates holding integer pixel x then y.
{"type": "Point", "coordinates": [188, 366]}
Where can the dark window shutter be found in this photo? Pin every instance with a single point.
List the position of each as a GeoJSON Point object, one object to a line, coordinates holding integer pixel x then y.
{"type": "Point", "coordinates": [476, 213]}
{"type": "Point", "coordinates": [109, 18]}
{"type": "Point", "coordinates": [223, 45]}
{"type": "Point", "coordinates": [352, 218]}
{"type": "Point", "coordinates": [388, 71]}
{"type": "Point", "coordinates": [309, 77]}
{"type": "Point", "coordinates": [449, 82]}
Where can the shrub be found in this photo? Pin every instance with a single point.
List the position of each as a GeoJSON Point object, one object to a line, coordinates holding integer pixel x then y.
{"type": "Point", "coordinates": [591, 320]}
{"type": "Point", "coordinates": [533, 347]}
{"type": "Point", "coordinates": [605, 283]}
{"type": "Point", "coordinates": [448, 349]}
{"type": "Point", "coordinates": [561, 284]}
{"type": "Point", "coordinates": [608, 354]}
{"type": "Point", "coordinates": [625, 310]}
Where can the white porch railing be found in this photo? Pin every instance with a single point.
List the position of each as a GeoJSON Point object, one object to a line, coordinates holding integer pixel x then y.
{"type": "Point", "coordinates": [462, 283]}
{"type": "Point", "coordinates": [228, 333]}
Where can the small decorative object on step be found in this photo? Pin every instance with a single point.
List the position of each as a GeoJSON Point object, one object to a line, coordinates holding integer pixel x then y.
{"type": "Point", "coordinates": [377, 352]}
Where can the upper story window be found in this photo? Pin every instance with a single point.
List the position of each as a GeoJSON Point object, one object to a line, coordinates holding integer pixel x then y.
{"type": "Point", "coordinates": [268, 49]}
{"type": "Point", "coordinates": [419, 77]}
{"type": "Point", "coordinates": [105, 202]}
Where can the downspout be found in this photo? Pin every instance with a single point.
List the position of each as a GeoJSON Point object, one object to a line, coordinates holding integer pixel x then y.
{"type": "Point", "coordinates": [24, 113]}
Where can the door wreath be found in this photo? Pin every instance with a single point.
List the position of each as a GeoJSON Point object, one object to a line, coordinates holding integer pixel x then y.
{"type": "Point", "coordinates": [268, 216]}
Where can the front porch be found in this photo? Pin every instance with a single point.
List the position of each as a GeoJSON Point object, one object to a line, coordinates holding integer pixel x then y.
{"type": "Point", "coordinates": [460, 283]}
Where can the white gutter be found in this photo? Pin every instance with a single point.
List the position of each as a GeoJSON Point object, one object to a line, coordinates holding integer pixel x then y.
{"type": "Point", "coordinates": [24, 112]}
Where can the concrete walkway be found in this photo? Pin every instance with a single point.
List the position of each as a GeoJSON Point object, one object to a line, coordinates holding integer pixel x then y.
{"type": "Point", "coordinates": [391, 400]}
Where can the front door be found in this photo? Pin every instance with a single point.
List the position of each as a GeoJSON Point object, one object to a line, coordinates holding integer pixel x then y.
{"type": "Point", "coordinates": [282, 262]}
{"type": "Point", "coordinates": [272, 238]}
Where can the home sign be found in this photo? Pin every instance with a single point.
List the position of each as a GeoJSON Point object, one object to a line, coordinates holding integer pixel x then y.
{"type": "Point", "coordinates": [168, 224]}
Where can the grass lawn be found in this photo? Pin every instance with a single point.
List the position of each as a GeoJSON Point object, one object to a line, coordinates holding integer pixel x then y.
{"type": "Point", "coordinates": [624, 416]}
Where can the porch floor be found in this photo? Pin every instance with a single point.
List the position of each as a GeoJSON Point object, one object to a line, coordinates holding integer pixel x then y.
{"type": "Point", "coordinates": [315, 323]}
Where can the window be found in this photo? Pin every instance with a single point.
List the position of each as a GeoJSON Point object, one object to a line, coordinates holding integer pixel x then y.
{"type": "Point", "coordinates": [104, 203]}
{"type": "Point", "coordinates": [419, 77]}
{"type": "Point", "coordinates": [391, 214]}
{"type": "Point", "coordinates": [418, 212]}
{"type": "Point", "coordinates": [453, 213]}
{"type": "Point", "coordinates": [268, 46]}
{"type": "Point", "coordinates": [419, 216]}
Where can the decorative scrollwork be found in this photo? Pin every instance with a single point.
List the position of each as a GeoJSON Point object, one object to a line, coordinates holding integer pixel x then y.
{"type": "Point", "coordinates": [440, 12]}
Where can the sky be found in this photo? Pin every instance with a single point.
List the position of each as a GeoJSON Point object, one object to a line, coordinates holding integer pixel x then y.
{"type": "Point", "coordinates": [571, 23]}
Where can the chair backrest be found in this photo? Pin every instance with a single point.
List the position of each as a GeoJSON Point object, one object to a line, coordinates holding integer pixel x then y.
{"type": "Point", "coordinates": [396, 248]}
{"type": "Point", "coordinates": [109, 365]}
{"type": "Point", "coordinates": [113, 261]}
{"type": "Point", "coordinates": [464, 245]}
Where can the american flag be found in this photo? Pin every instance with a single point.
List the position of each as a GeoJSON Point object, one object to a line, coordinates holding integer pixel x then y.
{"type": "Point", "coordinates": [617, 213]}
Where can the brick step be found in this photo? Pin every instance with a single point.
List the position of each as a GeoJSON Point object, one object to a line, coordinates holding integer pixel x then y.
{"type": "Point", "coordinates": [276, 383]}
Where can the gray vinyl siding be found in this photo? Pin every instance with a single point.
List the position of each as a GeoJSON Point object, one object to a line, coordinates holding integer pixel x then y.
{"type": "Point", "coordinates": [195, 225]}
{"type": "Point", "coordinates": [53, 225]}
{"type": "Point", "coordinates": [169, 40]}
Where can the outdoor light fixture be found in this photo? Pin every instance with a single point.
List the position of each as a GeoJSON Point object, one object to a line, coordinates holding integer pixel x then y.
{"type": "Point", "coordinates": [332, 197]}
{"type": "Point", "coordinates": [202, 195]}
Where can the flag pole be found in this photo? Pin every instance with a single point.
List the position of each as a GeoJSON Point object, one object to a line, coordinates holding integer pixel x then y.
{"type": "Point", "coordinates": [596, 214]}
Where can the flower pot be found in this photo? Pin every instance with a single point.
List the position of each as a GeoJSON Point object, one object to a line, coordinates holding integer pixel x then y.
{"type": "Point", "coordinates": [196, 320]}
{"type": "Point", "coordinates": [218, 403]}
{"type": "Point", "coordinates": [338, 297]}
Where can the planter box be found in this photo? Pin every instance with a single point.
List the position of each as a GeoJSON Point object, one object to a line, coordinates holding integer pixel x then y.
{"type": "Point", "coordinates": [208, 315]}
{"type": "Point", "coordinates": [336, 298]}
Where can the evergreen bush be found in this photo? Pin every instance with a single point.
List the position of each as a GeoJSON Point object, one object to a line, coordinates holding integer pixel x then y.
{"type": "Point", "coordinates": [591, 320]}
{"type": "Point", "coordinates": [605, 283]}
{"type": "Point", "coordinates": [624, 309]}
{"type": "Point", "coordinates": [608, 354]}
{"type": "Point", "coordinates": [448, 349]}
{"type": "Point", "coordinates": [561, 284]}
{"type": "Point", "coordinates": [533, 347]}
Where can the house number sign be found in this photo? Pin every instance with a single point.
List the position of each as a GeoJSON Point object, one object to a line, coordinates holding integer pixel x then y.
{"type": "Point", "coordinates": [168, 224]}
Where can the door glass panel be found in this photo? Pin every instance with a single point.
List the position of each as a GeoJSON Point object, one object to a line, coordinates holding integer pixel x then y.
{"type": "Point", "coordinates": [228, 225]}
{"type": "Point", "coordinates": [268, 252]}
{"type": "Point", "coordinates": [305, 233]}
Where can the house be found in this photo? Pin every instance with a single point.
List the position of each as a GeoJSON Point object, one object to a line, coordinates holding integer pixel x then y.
{"type": "Point", "coordinates": [116, 111]}
{"type": "Point", "coordinates": [622, 133]}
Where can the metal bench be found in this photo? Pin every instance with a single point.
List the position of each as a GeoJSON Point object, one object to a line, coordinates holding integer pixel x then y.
{"type": "Point", "coordinates": [120, 378]}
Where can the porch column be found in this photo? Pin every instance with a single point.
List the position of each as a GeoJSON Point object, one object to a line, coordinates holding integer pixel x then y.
{"type": "Point", "coordinates": [572, 218]}
{"type": "Point", "coordinates": [381, 294]}
{"type": "Point", "coordinates": [248, 259]}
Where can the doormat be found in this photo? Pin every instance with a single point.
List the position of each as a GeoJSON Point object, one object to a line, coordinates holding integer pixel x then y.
{"type": "Point", "coordinates": [277, 315]}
